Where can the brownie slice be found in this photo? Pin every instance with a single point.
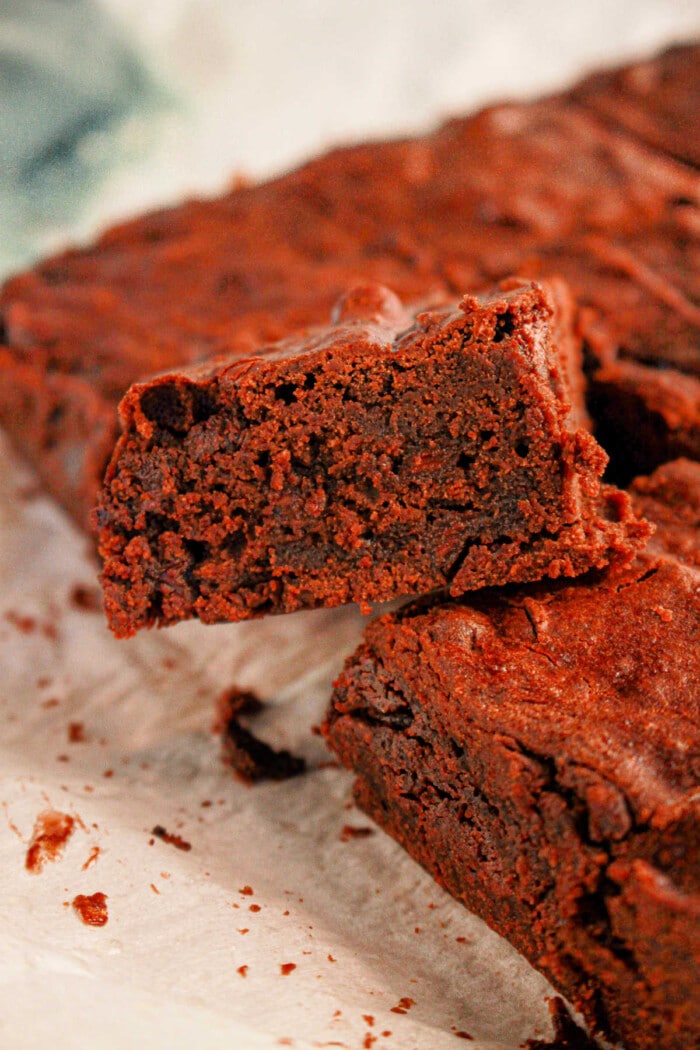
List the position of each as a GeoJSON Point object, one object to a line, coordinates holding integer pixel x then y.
{"type": "Point", "coordinates": [657, 100]}
{"type": "Point", "coordinates": [435, 214]}
{"type": "Point", "coordinates": [388, 454]}
{"type": "Point", "coordinates": [538, 751]}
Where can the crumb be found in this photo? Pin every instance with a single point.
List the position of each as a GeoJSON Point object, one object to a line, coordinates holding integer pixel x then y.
{"type": "Point", "coordinates": [287, 968]}
{"type": "Point", "coordinates": [254, 907]}
{"type": "Point", "coordinates": [349, 832]}
{"type": "Point", "coordinates": [93, 909]}
{"type": "Point", "coordinates": [247, 891]}
{"type": "Point", "coordinates": [87, 599]}
{"type": "Point", "coordinates": [368, 1019]}
{"type": "Point", "coordinates": [252, 759]}
{"type": "Point", "coordinates": [108, 773]}
{"type": "Point", "coordinates": [92, 857]}
{"type": "Point", "coordinates": [76, 733]}
{"type": "Point", "coordinates": [464, 1035]}
{"type": "Point", "coordinates": [24, 624]}
{"type": "Point", "coordinates": [330, 958]}
{"type": "Point", "coordinates": [244, 930]}
{"type": "Point", "coordinates": [155, 889]}
{"type": "Point", "coordinates": [403, 1006]}
{"type": "Point", "coordinates": [172, 840]}
{"type": "Point", "coordinates": [242, 970]}
{"type": "Point", "coordinates": [52, 830]}
{"type": "Point", "coordinates": [52, 702]}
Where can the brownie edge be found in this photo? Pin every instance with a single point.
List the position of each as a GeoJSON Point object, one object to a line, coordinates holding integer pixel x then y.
{"type": "Point", "coordinates": [537, 750]}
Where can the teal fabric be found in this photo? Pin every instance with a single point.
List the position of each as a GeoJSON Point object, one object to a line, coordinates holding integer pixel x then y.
{"type": "Point", "coordinates": [67, 79]}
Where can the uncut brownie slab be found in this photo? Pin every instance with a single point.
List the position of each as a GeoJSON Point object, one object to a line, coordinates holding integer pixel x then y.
{"type": "Point", "coordinates": [388, 454]}
{"type": "Point", "coordinates": [538, 751]}
{"type": "Point", "coordinates": [658, 100]}
{"type": "Point", "coordinates": [439, 213]}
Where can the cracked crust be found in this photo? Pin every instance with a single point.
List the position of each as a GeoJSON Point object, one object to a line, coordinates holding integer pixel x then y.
{"type": "Point", "coordinates": [537, 750]}
{"type": "Point", "coordinates": [386, 455]}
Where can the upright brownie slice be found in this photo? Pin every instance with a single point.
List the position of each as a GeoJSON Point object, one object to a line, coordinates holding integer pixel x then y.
{"type": "Point", "coordinates": [538, 751]}
{"type": "Point", "coordinates": [383, 456]}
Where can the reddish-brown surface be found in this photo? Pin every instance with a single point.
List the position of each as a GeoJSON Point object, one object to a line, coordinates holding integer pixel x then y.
{"type": "Point", "coordinates": [537, 751]}
{"type": "Point", "coordinates": [657, 100]}
{"type": "Point", "coordinates": [389, 454]}
{"type": "Point", "coordinates": [52, 829]}
{"type": "Point", "coordinates": [432, 215]}
{"type": "Point", "coordinates": [91, 909]}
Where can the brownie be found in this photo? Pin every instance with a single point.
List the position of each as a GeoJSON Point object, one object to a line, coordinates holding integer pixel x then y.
{"type": "Point", "coordinates": [645, 415]}
{"type": "Point", "coordinates": [657, 100]}
{"type": "Point", "coordinates": [537, 750]}
{"type": "Point", "coordinates": [639, 317]}
{"type": "Point", "coordinates": [387, 454]}
{"type": "Point", "coordinates": [430, 215]}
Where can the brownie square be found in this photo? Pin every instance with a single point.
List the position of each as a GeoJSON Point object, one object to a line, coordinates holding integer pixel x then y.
{"type": "Point", "coordinates": [388, 454]}
{"type": "Point", "coordinates": [537, 750]}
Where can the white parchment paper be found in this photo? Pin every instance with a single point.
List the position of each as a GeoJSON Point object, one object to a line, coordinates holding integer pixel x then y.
{"type": "Point", "coordinates": [362, 924]}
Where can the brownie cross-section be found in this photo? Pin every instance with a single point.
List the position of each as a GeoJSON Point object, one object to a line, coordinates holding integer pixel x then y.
{"type": "Point", "coordinates": [387, 454]}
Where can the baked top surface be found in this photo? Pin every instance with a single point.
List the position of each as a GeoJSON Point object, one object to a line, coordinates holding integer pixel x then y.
{"type": "Point", "coordinates": [175, 286]}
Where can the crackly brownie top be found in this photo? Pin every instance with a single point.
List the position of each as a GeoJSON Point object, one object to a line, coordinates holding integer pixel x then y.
{"type": "Point", "coordinates": [601, 676]}
{"type": "Point", "coordinates": [438, 213]}
{"type": "Point", "coordinates": [657, 99]}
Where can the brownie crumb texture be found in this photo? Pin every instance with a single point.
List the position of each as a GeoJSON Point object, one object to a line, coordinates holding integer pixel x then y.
{"type": "Point", "coordinates": [366, 461]}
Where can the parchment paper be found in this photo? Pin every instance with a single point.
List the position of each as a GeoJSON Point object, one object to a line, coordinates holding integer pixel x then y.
{"type": "Point", "coordinates": [362, 924]}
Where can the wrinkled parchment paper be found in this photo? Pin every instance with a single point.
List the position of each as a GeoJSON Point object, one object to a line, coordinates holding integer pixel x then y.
{"type": "Point", "coordinates": [186, 958]}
